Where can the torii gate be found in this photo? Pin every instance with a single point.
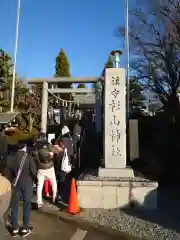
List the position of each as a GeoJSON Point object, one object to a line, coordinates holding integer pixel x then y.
{"type": "Point", "coordinates": [46, 89]}
{"type": "Point", "coordinates": [114, 115]}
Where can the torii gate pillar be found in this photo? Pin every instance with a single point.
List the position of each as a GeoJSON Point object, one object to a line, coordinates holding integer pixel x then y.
{"type": "Point", "coordinates": [44, 107]}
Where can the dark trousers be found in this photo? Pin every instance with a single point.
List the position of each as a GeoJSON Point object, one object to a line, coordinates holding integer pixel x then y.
{"type": "Point", "coordinates": [2, 162]}
{"type": "Point", "coordinates": [76, 157]}
{"type": "Point", "coordinates": [26, 193]}
{"type": "Point", "coordinates": [62, 183]}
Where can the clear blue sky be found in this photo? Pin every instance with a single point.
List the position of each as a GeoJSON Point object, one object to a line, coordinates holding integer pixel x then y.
{"type": "Point", "coordinates": [83, 28]}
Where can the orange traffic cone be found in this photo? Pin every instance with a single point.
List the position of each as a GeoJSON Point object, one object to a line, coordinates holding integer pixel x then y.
{"type": "Point", "coordinates": [73, 207]}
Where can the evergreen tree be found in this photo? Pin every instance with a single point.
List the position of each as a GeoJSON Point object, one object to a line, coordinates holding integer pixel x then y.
{"type": "Point", "coordinates": [81, 85]}
{"type": "Point", "coordinates": [136, 95]}
{"type": "Point", "coordinates": [6, 65]}
{"type": "Point", "coordinates": [108, 64]}
{"type": "Point", "coordinates": [137, 98]}
{"type": "Point", "coordinates": [6, 70]}
{"type": "Point", "coordinates": [62, 65]}
{"type": "Point", "coordinates": [63, 70]}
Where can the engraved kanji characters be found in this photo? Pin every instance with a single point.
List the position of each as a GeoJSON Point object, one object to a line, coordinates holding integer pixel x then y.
{"type": "Point", "coordinates": [115, 106]}
{"type": "Point", "coordinates": [116, 81]}
{"type": "Point", "coordinates": [115, 136]}
{"type": "Point", "coordinates": [115, 92]}
{"type": "Point", "coordinates": [114, 121]}
{"type": "Point", "coordinates": [116, 151]}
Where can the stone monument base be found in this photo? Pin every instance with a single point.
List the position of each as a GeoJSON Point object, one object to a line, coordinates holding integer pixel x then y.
{"type": "Point", "coordinates": [116, 172]}
{"type": "Point", "coordinates": [117, 193]}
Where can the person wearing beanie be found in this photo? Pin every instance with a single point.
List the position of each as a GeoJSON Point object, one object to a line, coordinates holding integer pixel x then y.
{"type": "Point", "coordinates": [21, 170]}
{"type": "Point", "coordinates": [44, 157]}
{"type": "Point", "coordinates": [67, 140]}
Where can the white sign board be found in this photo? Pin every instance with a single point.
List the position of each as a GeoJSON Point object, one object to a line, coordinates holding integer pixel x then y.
{"type": "Point", "coordinates": [51, 136]}
{"type": "Point", "coordinates": [115, 118]}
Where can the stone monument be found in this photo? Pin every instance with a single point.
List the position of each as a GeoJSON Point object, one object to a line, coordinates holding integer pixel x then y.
{"type": "Point", "coordinates": [115, 123]}
{"type": "Point", "coordinates": [115, 186]}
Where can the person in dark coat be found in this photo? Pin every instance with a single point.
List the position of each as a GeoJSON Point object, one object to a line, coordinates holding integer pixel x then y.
{"type": "Point", "coordinates": [68, 143]}
{"type": "Point", "coordinates": [44, 157]}
{"type": "Point", "coordinates": [3, 148]}
{"type": "Point", "coordinates": [62, 177]}
{"type": "Point", "coordinates": [23, 187]}
{"type": "Point", "coordinates": [77, 131]}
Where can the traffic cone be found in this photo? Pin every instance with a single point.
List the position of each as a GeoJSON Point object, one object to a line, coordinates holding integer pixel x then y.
{"type": "Point", "coordinates": [73, 207]}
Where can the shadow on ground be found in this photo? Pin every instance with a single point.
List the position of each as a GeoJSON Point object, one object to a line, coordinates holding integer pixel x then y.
{"type": "Point", "coordinates": [167, 213]}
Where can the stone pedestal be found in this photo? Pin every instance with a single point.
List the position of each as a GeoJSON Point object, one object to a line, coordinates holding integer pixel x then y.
{"type": "Point", "coordinates": [116, 172]}
{"type": "Point", "coordinates": [115, 125]}
{"type": "Point", "coordinates": [117, 193]}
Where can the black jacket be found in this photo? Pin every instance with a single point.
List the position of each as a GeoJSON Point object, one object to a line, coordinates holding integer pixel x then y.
{"type": "Point", "coordinates": [58, 161]}
{"type": "Point", "coordinates": [68, 143]}
{"type": "Point", "coordinates": [40, 164]}
{"type": "Point", "coordinates": [29, 171]}
{"type": "Point", "coordinates": [77, 133]}
{"type": "Point", "coordinates": [3, 144]}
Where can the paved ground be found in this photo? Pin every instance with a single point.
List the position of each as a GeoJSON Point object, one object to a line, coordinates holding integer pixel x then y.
{"type": "Point", "coordinates": [47, 227]}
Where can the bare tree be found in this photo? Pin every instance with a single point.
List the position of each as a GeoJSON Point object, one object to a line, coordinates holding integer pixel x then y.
{"type": "Point", "coordinates": [154, 31]}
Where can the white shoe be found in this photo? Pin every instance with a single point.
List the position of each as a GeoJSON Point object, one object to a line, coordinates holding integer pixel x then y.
{"type": "Point", "coordinates": [40, 205]}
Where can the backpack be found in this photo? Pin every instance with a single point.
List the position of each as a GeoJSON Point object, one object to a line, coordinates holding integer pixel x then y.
{"type": "Point", "coordinates": [44, 154]}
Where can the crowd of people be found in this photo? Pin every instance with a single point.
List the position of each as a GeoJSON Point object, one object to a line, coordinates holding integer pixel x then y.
{"type": "Point", "coordinates": [37, 162]}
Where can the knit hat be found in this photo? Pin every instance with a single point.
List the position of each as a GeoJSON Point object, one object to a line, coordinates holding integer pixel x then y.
{"type": "Point", "coordinates": [42, 139]}
{"type": "Point", "coordinates": [65, 130]}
